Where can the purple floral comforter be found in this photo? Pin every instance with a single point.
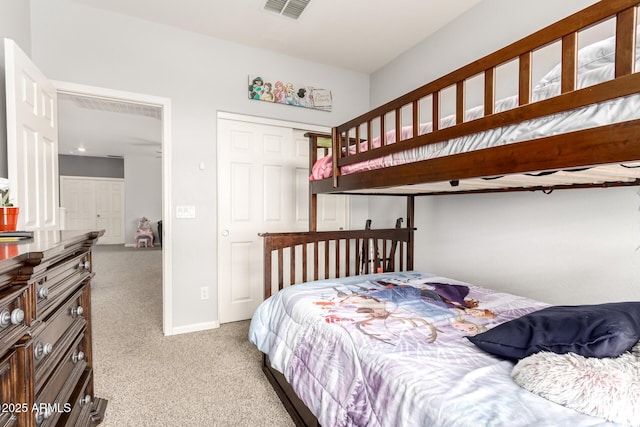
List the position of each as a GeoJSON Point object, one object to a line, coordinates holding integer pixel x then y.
{"type": "Point", "coordinates": [390, 350]}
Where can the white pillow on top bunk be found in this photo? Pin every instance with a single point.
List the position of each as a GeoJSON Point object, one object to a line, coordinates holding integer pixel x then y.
{"type": "Point", "coordinates": [590, 57]}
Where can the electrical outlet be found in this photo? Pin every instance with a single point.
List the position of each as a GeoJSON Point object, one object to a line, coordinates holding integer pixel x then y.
{"type": "Point", "coordinates": [204, 292]}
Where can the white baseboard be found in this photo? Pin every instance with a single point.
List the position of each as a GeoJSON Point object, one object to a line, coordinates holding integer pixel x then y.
{"type": "Point", "coordinates": [196, 327]}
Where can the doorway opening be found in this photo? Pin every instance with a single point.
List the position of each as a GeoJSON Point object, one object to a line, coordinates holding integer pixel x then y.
{"type": "Point", "coordinates": [129, 103]}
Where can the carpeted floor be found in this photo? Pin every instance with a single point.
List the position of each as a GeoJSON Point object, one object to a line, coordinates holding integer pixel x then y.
{"type": "Point", "coordinates": [210, 378]}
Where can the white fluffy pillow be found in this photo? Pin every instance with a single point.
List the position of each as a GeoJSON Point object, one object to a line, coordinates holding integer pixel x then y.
{"type": "Point", "coordinates": [607, 388]}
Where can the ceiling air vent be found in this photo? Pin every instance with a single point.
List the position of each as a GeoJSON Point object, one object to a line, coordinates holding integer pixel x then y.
{"type": "Point", "coordinates": [112, 106]}
{"type": "Point", "coordinates": [290, 8]}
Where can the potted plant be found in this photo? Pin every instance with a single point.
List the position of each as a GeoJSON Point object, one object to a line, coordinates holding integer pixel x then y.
{"type": "Point", "coordinates": [8, 212]}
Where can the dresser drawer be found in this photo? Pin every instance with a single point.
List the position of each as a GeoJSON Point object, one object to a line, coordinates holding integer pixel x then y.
{"type": "Point", "coordinates": [53, 401]}
{"type": "Point", "coordinates": [59, 281]}
{"type": "Point", "coordinates": [86, 410]}
{"type": "Point", "coordinates": [72, 346]}
{"type": "Point", "coordinates": [13, 315]}
{"type": "Point", "coordinates": [9, 406]}
{"type": "Point", "coordinates": [48, 336]}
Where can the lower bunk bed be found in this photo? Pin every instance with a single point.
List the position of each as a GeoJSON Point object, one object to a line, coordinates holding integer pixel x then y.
{"type": "Point", "coordinates": [405, 348]}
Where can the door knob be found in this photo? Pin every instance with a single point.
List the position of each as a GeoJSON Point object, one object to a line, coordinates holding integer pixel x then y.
{"type": "Point", "coordinates": [225, 233]}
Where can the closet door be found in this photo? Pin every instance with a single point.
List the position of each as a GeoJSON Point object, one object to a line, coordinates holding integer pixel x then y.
{"type": "Point", "coordinates": [263, 174]}
{"type": "Point", "coordinates": [94, 203]}
{"type": "Point", "coordinates": [78, 198]}
{"type": "Point", "coordinates": [109, 195]}
{"type": "Point", "coordinates": [256, 193]}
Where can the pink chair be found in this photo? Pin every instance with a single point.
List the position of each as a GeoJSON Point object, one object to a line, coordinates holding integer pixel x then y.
{"type": "Point", "coordinates": [144, 233]}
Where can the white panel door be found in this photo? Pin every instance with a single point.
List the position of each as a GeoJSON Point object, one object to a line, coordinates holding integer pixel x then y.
{"type": "Point", "coordinates": [263, 175]}
{"type": "Point", "coordinates": [78, 198]}
{"type": "Point", "coordinates": [95, 203]}
{"type": "Point", "coordinates": [32, 141]}
{"type": "Point", "coordinates": [256, 193]}
{"type": "Point", "coordinates": [110, 210]}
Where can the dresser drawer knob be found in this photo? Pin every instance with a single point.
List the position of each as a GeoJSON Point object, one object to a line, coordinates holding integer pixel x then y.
{"type": "Point", "coordinates": [5, 318]}
{"type": "Point", "coordinates": [17, 316]}
{"type": "Point", "coordinates": [77, 311]}
{"type": "Point", "coordinates": [77, 356]}
{"type": "Point", "coordinates": [86, 400]}
{"type": "Point", "coordinates": [42, 349]}
{"type": "Point", "coordinates": [84, 265]}
{"type": "Point", "coordinates": [43, 415]}
{"type": "Point", "coordinates": [14, 317]}
{"type": "Point", "coordinates": [43, 293]}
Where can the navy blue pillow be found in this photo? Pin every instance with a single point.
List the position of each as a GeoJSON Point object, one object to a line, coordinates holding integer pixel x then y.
{"type": "Point", "coordinates": [602, 330]}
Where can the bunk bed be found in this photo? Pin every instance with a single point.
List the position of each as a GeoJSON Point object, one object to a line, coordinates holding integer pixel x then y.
{"type": "Point", "coordinates": [577, 127]}
{"type": "Point", "coordinates": [567, 97]}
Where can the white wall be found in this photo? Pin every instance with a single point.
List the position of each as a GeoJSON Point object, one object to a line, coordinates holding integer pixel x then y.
{"type": "Point", "coordinates": [485, 28]}
{"type": "Point", "coordinates": [569, 247]}
{"type": "Point", "coordinates": [201, 75]}
{"type": "Point", "coordinates": [142, 193]}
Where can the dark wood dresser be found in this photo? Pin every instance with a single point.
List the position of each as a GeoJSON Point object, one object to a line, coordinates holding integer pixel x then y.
{"type": "Point", "coordinates": [46, 358]}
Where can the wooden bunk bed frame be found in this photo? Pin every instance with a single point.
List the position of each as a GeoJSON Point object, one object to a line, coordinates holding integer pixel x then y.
{"type": "Point", "coordinates": [609, 144]}
{"type": "Point", "coordinates": [589, 148]}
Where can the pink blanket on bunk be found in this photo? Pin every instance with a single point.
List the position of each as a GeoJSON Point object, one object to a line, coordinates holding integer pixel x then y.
{"type": "Point", "coordinates": [323, 167]}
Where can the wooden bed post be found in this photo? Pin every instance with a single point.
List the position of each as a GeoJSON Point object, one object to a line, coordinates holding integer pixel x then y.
{"type": "Point", "coordinates": [410, 226]}
{"type": "Point", "coordinates": [266, 272]}
{"type": "Point", "coordinates": [313, 198]}
{"type": "Point", "coordinates": [336, 151]}
{"type": "Point", "coordinates": [313, 209]}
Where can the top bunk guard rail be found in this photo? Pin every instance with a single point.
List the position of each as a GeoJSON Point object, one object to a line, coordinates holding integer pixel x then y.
{"type": "Point", "coordinates": [319, 255]}
{"type": "Point", "coordinates": [625, 82]}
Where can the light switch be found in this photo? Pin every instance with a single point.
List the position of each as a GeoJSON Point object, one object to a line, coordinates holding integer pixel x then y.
{"type": "Point", "coordinates": [184, 211]}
